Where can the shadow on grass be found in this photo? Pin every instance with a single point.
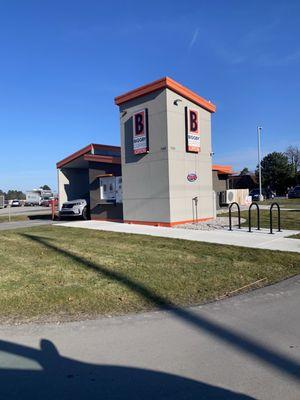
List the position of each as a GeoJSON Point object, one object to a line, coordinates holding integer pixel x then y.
{"type": "Point", "coordinates": [40, 216]}
{"type": "Point", "coordinates": [45, 374]}
{"type": "Point", "coordinates": [245, 344]}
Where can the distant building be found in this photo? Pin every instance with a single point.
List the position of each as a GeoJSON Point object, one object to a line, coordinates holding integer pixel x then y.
{"type": "Point", "coordinates": [247, 181]}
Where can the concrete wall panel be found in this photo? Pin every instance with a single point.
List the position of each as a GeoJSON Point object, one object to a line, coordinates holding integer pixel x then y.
{"type": "Point", "coordinates": [145, 177]}
{"type": "Point", "coordinates": [155, 185]}
{"type": "Point", "coordinates": [182, 163]}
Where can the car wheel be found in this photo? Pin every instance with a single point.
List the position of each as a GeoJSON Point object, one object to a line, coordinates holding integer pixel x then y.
{"type": "Point", "coordinates": [85, 214]}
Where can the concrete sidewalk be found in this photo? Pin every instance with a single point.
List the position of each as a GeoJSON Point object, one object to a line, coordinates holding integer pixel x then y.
{"type": "Point", "coordinates": [257, 239]}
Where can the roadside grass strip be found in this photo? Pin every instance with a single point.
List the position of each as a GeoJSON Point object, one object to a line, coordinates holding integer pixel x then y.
{"type": "Point", "coordinates": [56, 274]}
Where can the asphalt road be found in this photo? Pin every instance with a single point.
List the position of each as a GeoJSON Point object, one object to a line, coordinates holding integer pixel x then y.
{"type": "Point", "coordinates": [4, 226]}
{"type": "Point", "coordinates": [246, 347]}
{"type": "Point", "coordinates": [25, 211]}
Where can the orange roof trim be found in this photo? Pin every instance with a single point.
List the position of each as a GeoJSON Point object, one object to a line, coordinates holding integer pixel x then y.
{"type": "Point", "coordinates": [86, 153]}
{"type": "Point", "coordinates": [222, 169]}
{"type": "Point", "coordinates": [104, 176]}
{"type": "Point", "coordinates": [163, 84]}
{"type": "Point", "coordinates": [75, 155]}
{"type": "Point", "coordinates": [103, 159]}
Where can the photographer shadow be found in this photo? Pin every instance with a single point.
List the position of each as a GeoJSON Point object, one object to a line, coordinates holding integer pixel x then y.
{"type": "Point", "coordinates": [45, 374]}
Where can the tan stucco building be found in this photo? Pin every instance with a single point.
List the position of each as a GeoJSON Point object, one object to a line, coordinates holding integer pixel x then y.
{"type": "Point", "coordinates": [165, 159]}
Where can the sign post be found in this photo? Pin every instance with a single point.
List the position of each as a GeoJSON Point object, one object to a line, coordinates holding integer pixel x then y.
{"type": "Point", "coordinates": [53, 209]}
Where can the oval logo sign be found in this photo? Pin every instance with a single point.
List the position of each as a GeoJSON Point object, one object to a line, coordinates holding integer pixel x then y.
{"type": "Point", "coordinates": [192, 177]}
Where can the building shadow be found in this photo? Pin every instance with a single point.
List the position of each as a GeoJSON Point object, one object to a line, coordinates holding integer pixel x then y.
{"type": "Point", "coordinates": [56, 377]}
{"type": "Point", "coordinates": [40, 217]}
{"type": "Point", "coordinates": [241, 342]}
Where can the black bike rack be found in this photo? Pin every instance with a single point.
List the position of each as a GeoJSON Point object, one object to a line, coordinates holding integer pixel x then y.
{"type": "Point", "coordinates": [278, 218]}
{"type": "Point", "coordinates": [249, 216]}
{"type": "Point", "coordinates": [239, 215]}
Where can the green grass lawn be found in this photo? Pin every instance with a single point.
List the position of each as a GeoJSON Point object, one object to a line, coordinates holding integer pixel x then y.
{"type": "Point", "coordinates": [295, 236]}
{"type": "Point", "coordinates": [56, 273]}
{"type": "Point", "coordinates": [289, 219]}
{"type": "Point", "coordinates": [284, 202]}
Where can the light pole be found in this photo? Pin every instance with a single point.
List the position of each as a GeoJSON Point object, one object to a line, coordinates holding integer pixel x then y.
{"type": "Point", "coordinates": [259, 161]}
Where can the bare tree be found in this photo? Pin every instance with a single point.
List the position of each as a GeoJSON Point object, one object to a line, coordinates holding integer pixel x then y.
{"type": "Point", "coordinates": [244, 171]}
{"type": "Point", "coordinates": [293, 155]}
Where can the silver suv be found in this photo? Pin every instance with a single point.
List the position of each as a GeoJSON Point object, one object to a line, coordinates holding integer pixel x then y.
{"type": "Point", "coordinates": [75, 208]}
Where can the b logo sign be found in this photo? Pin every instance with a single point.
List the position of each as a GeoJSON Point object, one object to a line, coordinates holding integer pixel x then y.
{"type": "Point", "coordinates": [139, 123]}
{"type": "Point", "coordinates": [192, 130]}
{"type": "Point", "coordinates": [140, 132]}
{"type": "Point", "coordinates": [194, 121]}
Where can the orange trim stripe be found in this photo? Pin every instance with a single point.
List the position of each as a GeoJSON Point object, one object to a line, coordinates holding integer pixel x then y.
{"type": "Point", "coordinates": [150, 223]}
{"type": "Point", "coordinates": [88, 149]}
{"type": "Point", "coordinates": [164, 83]}
{"type": "Point", "coordinates": [222, 169]}
{"type": "Point", "coordinates": [73, 156]}
{"type": "Point", "coordinates": [106, 146]}
{"type": "Point", "coordinates": [104, 176]}
{"type": "Point", "coordinates": [166, 224]}
{"type": "Point", "coordinates": [103, 159]}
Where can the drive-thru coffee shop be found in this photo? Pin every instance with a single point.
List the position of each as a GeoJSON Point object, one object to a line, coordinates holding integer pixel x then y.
{"type": "Point", "coordinates": [162, 174]}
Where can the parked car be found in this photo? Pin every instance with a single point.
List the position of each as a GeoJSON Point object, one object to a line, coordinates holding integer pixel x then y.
{"type": "Point", "coordinates": [266, 193]}
{"type": "Point", "coordinates": [294, 193]}
{"type": "Point", "coordinates": [75, 208]}
{"type": "Point", "coordinates": [255, 194]}
{"type": "Point", "coordinates": [16, 203]}
{"type": "Point", "coordinates": [45, 203]}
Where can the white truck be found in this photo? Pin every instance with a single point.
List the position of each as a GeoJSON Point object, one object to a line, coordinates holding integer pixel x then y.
{"type": "Point", "coordinates": [36, 196]}
{"type": "Point", "coordinates": [2, 201]}
{"type": "Point", "coordinates": [33, 198]}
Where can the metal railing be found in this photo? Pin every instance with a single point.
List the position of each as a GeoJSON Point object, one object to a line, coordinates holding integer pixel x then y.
{"type": "Point", "coordinates": [249, 216]}
{"type": "Point", "coordinates": [278, 218]}
{"type": "Point", "coordinates": [230, 216]}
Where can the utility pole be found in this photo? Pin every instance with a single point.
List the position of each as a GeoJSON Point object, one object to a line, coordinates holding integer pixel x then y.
{"type": "Point", "coordinates": [259, 161]}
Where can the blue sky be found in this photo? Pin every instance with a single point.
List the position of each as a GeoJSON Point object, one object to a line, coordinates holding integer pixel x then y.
{"type": "Point", "coordinates": [63, 62]}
